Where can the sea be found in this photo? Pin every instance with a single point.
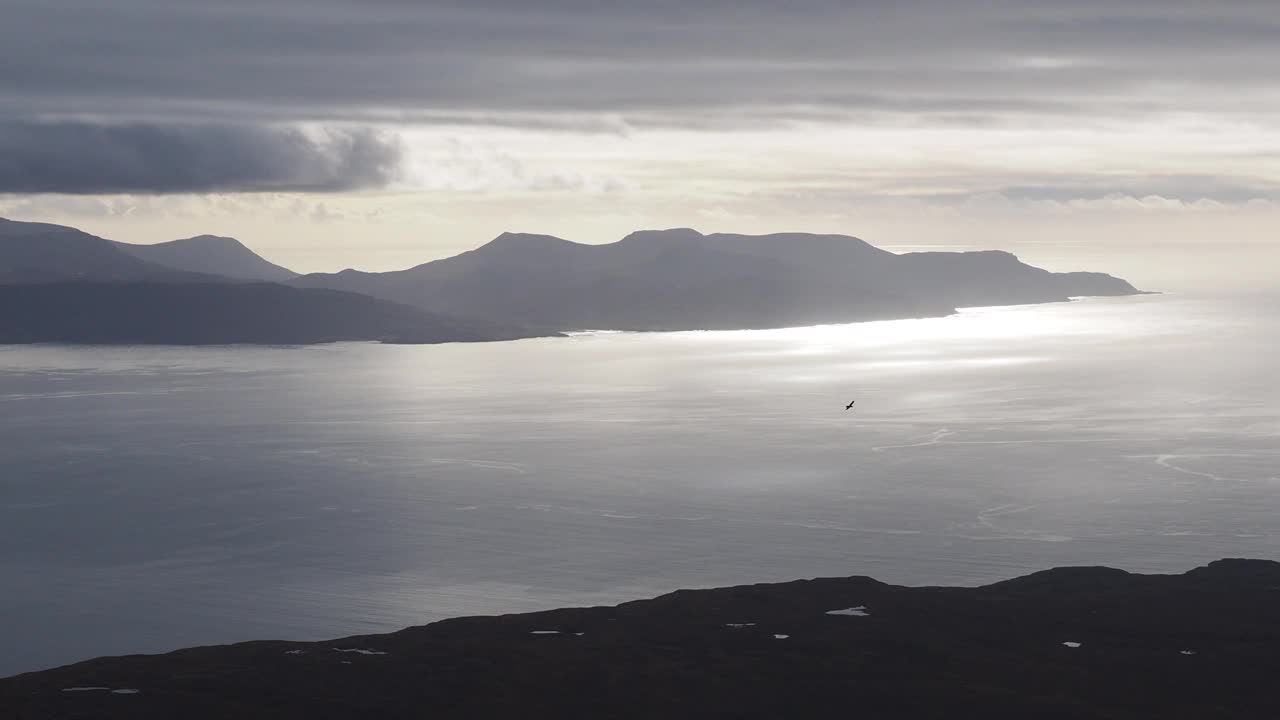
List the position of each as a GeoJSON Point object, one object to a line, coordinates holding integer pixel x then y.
{"type": "Point", "coordinates": [153, 498]}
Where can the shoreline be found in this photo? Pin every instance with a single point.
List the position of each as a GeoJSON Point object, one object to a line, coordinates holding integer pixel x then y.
{"type": "Point", "coordinates": [562, 334]}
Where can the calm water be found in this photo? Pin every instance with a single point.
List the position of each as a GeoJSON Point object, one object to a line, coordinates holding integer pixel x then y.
{"type": "Point", "coordinates": [157, 498]}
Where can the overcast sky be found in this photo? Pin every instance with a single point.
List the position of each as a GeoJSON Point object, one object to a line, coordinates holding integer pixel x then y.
{"type": "Point", "coordinates": [1140, 137]}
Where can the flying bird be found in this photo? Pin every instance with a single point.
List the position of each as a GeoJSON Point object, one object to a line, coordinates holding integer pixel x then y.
{"type": "Point", "coordinates": [850, 405]}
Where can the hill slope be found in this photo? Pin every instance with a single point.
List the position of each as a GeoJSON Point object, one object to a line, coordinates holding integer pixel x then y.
{"type": "Point", "coordinates": [1066, 643]}
{"type": "Point", "coordinates": [681, 279]}
{"type": "Point", "coordinates": [40, 252]}
{"type": "Point", "coordinates": [210, 254]}
{"type": "Point", "coordinates": [217, 313]}
{"type": "Point", "coordinates": [43, 252]}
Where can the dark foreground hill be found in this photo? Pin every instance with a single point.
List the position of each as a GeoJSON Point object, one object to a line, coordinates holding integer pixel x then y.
{"type": "Point", "coordinates": [218, 313]}
{"type": "Point", "coordinates": [1066, 643]}
{"type": "Point", "coordinates": [683, 280]}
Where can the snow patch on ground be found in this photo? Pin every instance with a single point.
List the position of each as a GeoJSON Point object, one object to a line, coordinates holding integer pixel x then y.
{"type": "Point", "coordinates": [859, 611]}
{"type": "Point", "coordinates": [1071, 644]}
{"type": "Point", "coordinates": [781, 637]}
{"type": "Point", "coordinates": [359, 650]}
{"type": "Point", "coordinates": [125, 691]}
{"type": "Point", "coordinates": [544, 632]}
{"type": "Point", "coordinates": [84, 689]}
{"type": "Point", "coordinates": [739, 625]}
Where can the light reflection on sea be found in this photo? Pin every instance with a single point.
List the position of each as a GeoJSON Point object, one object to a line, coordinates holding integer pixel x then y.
{"type": "Point", "coordinates": [153, 498]}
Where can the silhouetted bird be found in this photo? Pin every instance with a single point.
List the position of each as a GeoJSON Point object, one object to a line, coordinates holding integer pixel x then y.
{"type": "Point", "coordinates": [850, 405]}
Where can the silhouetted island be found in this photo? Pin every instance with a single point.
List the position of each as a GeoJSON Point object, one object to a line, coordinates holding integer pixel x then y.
{"type": "Point", "coordinates": [1065, 643]}
{"type": "Point", "coordinates": [683, 280]}
{"type": "Point", "coordinates": [517, 285]}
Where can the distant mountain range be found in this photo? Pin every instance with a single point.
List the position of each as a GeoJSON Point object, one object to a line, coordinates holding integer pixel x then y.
{"type": "Point", "coordinates": [517, 285]}
{"type": "Point", "coordinates": [684, 280]}
{"type": "Point", "coordinates": [58, 284]}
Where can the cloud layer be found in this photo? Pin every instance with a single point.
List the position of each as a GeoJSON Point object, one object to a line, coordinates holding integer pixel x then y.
{"type": "Point", "coordinates": [91, 158]}
{"type": "Point", "coordinates": [1131, 97]}
{"type": "Point", "coordinates": [661, 60]}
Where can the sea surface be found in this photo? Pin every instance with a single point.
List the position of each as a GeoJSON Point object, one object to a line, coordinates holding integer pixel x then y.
{"type": "Point", "coordinates": [155, 498]}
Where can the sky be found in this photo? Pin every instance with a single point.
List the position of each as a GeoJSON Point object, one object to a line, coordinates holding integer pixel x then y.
{"type": "Point", "coordinates": [1140, 138]}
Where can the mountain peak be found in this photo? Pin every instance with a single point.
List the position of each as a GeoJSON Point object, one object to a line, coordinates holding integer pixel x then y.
{"type": "Point", "coordinates": [212, 240]}
{"type": "Point", "coordinates": [513, 240]}
{"type": "Point", "coordinates": [211, 254]}
{"type": "Point", "coordinates": [683, 234]}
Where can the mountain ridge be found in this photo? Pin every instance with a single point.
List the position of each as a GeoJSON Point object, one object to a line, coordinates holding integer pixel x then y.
{"type": "Point", "coordinates": [213, 254]}
{"type": "Point", "coordinates": [681, 279]}
{"type": "Point", "coordinates": [649, 280]}
{"type": "Point", "coordinates": [45, 252]}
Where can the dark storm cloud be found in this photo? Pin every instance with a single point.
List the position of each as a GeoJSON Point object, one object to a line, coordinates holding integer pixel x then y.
{"type": "Point", "coordinates": [100, 97]}
{"type": "Point", "coordinates": [87, 158]}
{"type": "Point", "coordinates": [660, 59]}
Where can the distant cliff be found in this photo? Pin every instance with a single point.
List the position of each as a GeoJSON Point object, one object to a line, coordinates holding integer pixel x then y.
{"type": "Point", "coordinates": [1068, 643]}
{"type": "Point", "coordinates": [684, 280]}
